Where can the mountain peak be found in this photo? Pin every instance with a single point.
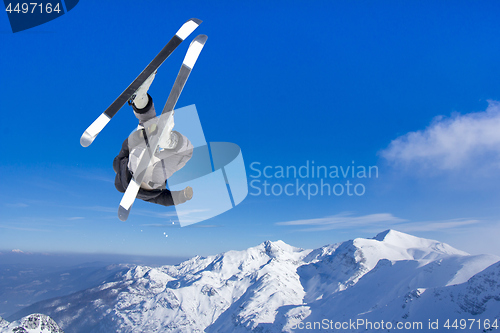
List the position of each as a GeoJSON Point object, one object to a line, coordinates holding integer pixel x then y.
{"type": "Point", "coordinates": [275, 244]}
{"type": "Point", "coordinates": [274, 249]}
{"type": "Point", "coordinates": [34, 323]}
{"type": "Point", "coordinates": [401, 240]}
{"type": "Point", "coordinates": [391, 234]}
{"type": "Point", "coordinates": [278, 250]}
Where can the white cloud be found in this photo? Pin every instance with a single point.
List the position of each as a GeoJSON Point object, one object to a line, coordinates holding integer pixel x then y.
{"type": "Point", "coordinates": [101, 209]}
{"type": "Point", "coordinates": [21, 228]}
{"type": "Point", "coordinates": [17, 205]}
{"type": "Point", "coordinates": [481, 238]}
{"type": "Point", "coordinates": [344, 221]}
{"type": "Point", "coordinates": [376, 222]}
{"type": "Point", "coordinates": [161, 225]}
{"type": "Point", "coordinates": [451, 143]}
{"type": "Point", "coordinates": [436, 225]}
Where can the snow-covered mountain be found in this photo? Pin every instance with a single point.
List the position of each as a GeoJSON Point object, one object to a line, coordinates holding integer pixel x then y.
{"type": "Point", "coordinates": [275, 287]}
{"type": "Point", "coordinates": [35, 323]}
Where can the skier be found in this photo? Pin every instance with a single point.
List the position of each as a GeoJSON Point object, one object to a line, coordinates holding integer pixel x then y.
{"type": "Point", "coordinates": [175, 150]}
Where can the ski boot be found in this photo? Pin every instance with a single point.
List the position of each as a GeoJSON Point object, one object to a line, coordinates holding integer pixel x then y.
{"type": "Point", "coordinates": [182, 196]}
{"type": "Point", "coordinates": [142, 103]}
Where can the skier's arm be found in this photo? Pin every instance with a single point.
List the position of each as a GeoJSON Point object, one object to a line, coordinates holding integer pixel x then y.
{"type": "Point", "coordinates": [123, 175]}
{"type": "Point", "coordinates": [124, 152]}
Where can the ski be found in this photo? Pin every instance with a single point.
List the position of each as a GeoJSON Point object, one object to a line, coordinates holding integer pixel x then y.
{"type": "Point", "coordinates": [98, 125]}
{"type": "Point", "coordinates": [152, 142]}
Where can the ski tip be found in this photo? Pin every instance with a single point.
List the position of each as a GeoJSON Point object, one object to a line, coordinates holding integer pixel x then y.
{"type": "Point", "coordinates": [86, 139]}
{"type": "Point", "coordinates": [123, 213]}
{"type": "Point", "coordinates": [195, 20]}
{"type": "Point", "coordinates": [194, 50]}
{"type": "Point", "coordinates": [200, 39]}
{"type": "Point", "coordinates": [187, 28]}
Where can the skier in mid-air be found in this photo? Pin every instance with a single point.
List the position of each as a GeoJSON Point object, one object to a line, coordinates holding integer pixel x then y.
{"type": "Point", "coordinates": [175, 150]}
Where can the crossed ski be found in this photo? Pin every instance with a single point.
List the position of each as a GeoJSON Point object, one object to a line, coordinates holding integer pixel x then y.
{"type": "Point", "coordinates": [98, 125]}
{"type": "Point", "coordinates": [152, 142]}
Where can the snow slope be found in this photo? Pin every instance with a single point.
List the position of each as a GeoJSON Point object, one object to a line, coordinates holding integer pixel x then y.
{"type": "Point", "coordinates": [274, 286]}
{"type": "Point", "coordinates": [35, 323]}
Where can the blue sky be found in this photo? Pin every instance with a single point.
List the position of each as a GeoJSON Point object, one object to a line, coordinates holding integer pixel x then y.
{"type": "Point", "coordinates": [409, 87]}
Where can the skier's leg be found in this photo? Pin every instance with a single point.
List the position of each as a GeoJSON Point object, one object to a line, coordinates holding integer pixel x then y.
{"type": "Point", "coordinates": [182, 196]}
{"type": "Point", "coordinates": [142, 103]}
{"type": "Point", "coordinates": [170, 198]}
{"type": "Point", "coordinates": [146, 113]}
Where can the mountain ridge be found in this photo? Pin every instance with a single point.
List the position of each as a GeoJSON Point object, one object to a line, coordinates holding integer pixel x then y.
{"type": "Point", "coordinates": [270, 287]}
